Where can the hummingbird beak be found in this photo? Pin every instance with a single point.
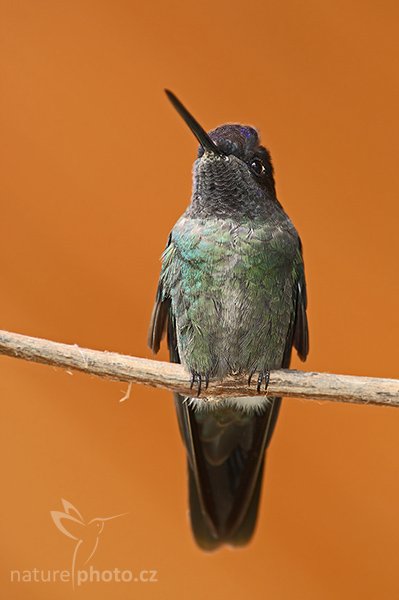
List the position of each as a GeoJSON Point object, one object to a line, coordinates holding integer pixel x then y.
{"type": "Point", "coordinates": [200, 133]}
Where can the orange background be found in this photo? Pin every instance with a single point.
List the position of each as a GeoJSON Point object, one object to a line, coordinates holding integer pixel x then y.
{"type": "Point", "coordinates": [95, 169]}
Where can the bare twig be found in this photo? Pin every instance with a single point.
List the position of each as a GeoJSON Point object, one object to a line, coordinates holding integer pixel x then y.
{"type": "Point", "coordinates": [297, 384]}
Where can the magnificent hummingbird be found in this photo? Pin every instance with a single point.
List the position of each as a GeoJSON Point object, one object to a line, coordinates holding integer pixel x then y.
{"type": "Point", "coordinates": [232, 299]}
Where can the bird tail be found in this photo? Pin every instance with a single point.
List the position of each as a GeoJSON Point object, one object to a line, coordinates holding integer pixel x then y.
{"type": "Point", "coordinates": [206, 537]}
{"type": "Point", "coordinates": [225, 471]}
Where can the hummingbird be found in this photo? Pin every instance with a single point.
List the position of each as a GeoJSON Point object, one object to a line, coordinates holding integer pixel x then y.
{"type": "Point", "coordinates": [232, 299]}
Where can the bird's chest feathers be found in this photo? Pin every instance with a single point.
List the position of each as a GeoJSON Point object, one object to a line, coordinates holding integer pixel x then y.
{"type": "Point", "coordinates": [221, 251]}
{"type": "Point", "coordinates": [213, 246]}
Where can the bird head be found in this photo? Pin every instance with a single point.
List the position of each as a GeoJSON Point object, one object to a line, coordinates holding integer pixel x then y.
{"type": "Point", "coordinates": [233, 171]}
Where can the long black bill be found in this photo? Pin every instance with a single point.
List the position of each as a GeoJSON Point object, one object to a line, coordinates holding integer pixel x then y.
{"type": "Point", "coordinates": [195, 127]}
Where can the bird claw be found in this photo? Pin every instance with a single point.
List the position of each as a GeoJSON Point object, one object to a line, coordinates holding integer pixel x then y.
{"type": "Point", "coordinates": [197, 378]}
{"type": "Point", "coordinates": [263, 375]}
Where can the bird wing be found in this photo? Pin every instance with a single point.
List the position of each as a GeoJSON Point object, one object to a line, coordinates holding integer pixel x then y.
{"type": "Point", "coordinates": [301, 329]}
{"type": "Point", "coordinates": [160, 313]}
{"type": "Point", "coordinates": [298, 335]}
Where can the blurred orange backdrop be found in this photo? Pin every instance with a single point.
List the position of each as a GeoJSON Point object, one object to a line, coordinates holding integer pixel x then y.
{"type": "Point", "coordinates": [95, 169]}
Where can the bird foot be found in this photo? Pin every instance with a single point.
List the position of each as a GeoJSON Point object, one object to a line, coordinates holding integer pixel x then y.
{"type": "Point", "coordinates": [198, 379]}
{"type": "Point", "coordinates": [263, 376]}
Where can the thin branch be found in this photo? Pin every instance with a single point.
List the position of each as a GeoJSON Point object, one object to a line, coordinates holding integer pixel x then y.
{"type": "Point", "coordinates": [296, 384]}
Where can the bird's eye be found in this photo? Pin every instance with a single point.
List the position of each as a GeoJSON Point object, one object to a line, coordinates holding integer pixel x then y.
{"type": "Point", "coordinates": [257, 167]}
